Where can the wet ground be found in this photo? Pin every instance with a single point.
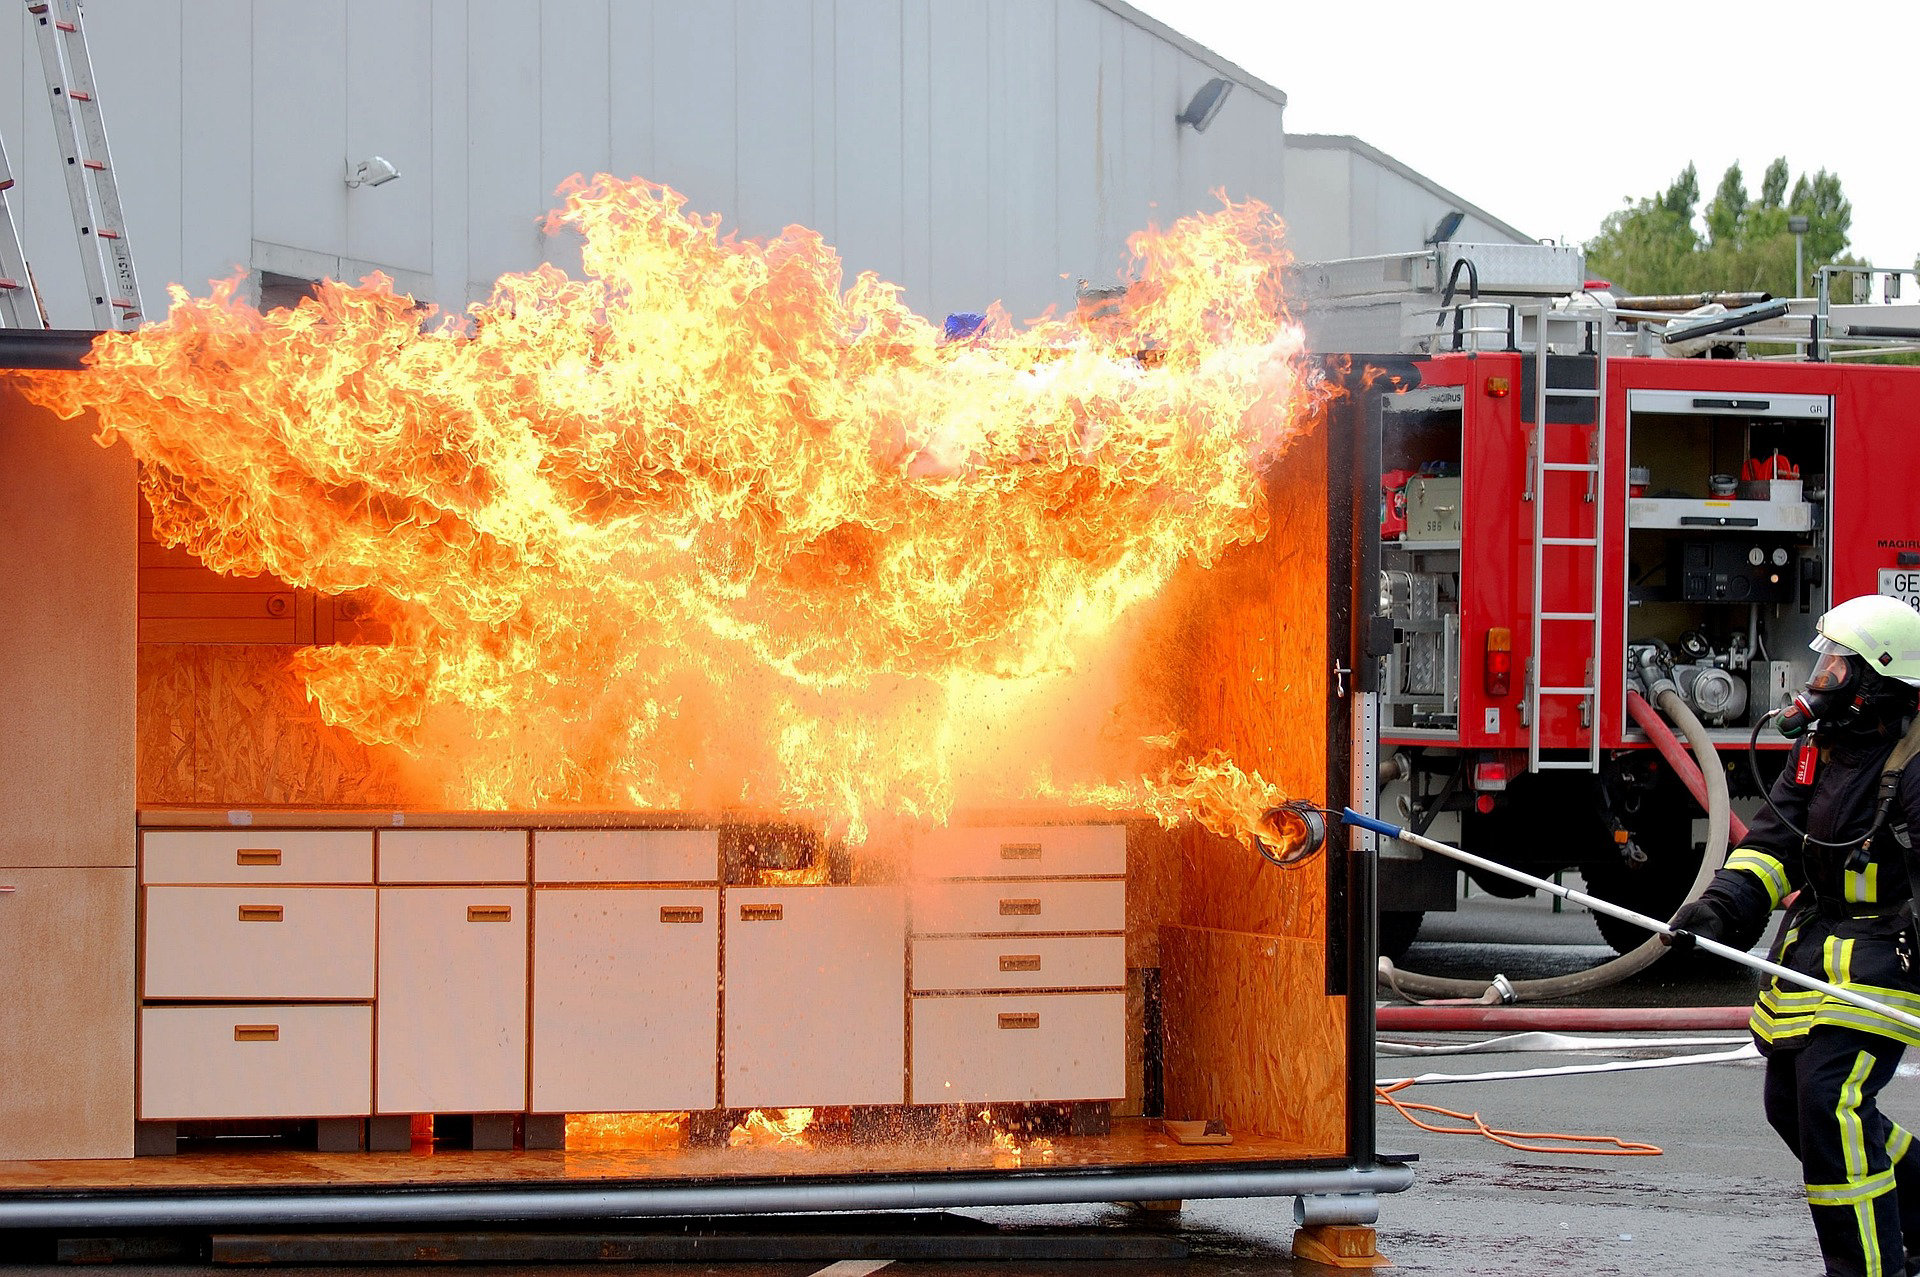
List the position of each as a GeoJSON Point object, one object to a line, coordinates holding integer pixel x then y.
{"type": "Point", "coordinates": [1722, 1198]}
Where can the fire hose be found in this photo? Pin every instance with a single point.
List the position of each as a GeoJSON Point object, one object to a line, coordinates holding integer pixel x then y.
{"type": "Point", "coordinates": [1708, 782]}
{"type": "Point", "coordinates": [1659, 928]}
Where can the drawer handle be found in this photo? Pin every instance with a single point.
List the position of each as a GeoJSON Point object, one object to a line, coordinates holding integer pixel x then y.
{"type": "Point", "coordinates": [1019, 851]}
{"type": "Point", "coordinates": [263, 913]}
{"type": "Point", "coordinates": [1019, 1019]}
{"type": "Point", "coordinates": [1019, 908]}
{"type": "Point", "coordinates": [257, 856]}
{"type": "Point", "coordinates": [1019, 962]}
{"type": "Point", "coordinates": [762, 913]}
{"type": "Point", "coordinates": [682, 913]}
{"type": "Point", "coordinates": [266, 1032]}
{"type": "Point", "coordinates": [489, 913]}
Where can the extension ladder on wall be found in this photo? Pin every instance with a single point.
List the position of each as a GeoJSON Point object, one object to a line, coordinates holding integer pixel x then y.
{"type": "Point", "coordinates": [106, 258]}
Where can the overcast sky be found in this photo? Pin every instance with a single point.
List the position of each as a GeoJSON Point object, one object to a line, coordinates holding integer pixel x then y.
{"type": "Point", "coordinates": [1456, 92]}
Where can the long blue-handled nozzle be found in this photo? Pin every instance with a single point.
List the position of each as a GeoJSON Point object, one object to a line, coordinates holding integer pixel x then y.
{"type": "Point", "coordinates": [1655, 925]}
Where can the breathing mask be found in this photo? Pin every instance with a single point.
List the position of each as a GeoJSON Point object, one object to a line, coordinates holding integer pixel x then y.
{"type": "Point", "coordinates": [1844, 693]}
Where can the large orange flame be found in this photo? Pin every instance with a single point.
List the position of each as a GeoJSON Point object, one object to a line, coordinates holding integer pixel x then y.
{"type": "Point", "coordinates": [708, 527]}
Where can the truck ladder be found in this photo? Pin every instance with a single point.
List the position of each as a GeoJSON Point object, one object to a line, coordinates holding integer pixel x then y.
{"type": "Point", "coordinates": [113, 290]}
{"type": "Point", "coordinates": [1569, 552]}
{"type": "Point", "coordinates": [18, 307]}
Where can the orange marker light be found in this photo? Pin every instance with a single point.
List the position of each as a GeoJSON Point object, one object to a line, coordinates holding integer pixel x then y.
{"type": "Point", "coordinates": [1498, 387]}
{"type": "Point", "coordinates": [1497, 676]}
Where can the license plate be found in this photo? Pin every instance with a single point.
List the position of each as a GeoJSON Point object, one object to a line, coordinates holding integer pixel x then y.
{"type": "Point", "coordinates": [1902, 584]}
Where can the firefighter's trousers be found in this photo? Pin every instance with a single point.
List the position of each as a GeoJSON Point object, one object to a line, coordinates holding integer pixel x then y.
{"type": "Point", "coordinates": [1862, 1171]}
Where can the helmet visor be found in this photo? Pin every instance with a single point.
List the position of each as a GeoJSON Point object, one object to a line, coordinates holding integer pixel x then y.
{"type": "Point", "coordinates": [1832, 672]}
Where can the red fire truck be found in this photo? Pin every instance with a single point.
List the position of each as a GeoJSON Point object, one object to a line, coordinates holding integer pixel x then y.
{"type": "Point", "coordinates": [1574, 485]}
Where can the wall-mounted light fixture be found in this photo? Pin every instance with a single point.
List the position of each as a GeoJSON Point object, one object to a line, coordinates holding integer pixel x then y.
{"type": "Point", "coordinates": [1205, 104]}
{"type": "Point", "coordinates": [375, 170]}
{"type": "Point", "coordinates": [1447, 227]}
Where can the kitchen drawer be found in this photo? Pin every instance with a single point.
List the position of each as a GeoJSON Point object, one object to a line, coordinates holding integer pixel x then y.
{"type": "Point", "coordinates": [258, 942]}
{"type": "Point", "coordinates": [943, 908]}
{"type": "Point", "coordinates": [452, 1033]}
{"type": "Point", "coordinates": [255, 1061]}
{"type": "Point", "coordinates": [453, 855]}
{"type": "Point", "coordinates": [1021, 851]}
{"type": "Point", "coordinates": [1010, 1047]}
{"type": "Point", "coordinates": [626, 999]}
{"type": "Point", "coordinates": [256, 855]}
{"type": "Point", "coordinates": [626, 855]}
{"type": "Point", "coordinates": [1020, 962]}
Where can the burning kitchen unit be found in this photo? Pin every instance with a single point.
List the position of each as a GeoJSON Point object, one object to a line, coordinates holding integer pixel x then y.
{"type": "Point", "coordinates": [251, 891]}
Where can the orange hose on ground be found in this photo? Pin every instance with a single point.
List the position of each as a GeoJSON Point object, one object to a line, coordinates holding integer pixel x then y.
{"type": "Point", "coordinates": [1621, 1148]}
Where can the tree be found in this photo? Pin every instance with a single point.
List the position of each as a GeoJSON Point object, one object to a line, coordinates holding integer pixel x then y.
{"type": "Point", "coordinates": [1651, 245]}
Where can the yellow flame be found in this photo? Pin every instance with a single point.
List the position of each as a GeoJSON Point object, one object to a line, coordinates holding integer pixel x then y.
{"type": "Point", "coordinates": [708, 526]}
{"type": "Point", "coordinates": [778, 1128]}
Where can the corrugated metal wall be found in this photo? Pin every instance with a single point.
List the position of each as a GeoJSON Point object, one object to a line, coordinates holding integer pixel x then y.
{"type": "Point", "coordinates": [1342, 202]}
{"type": "Point", "coordinates": [967, 149]}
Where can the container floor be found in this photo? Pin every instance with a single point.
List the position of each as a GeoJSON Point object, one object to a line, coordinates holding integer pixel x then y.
{"type": "Point", "coordinates": [1133, 1142]}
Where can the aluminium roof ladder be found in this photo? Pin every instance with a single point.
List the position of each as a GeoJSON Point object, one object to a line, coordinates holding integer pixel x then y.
{"type": "Point", "coordinates": [92, 191]}
{"type": "Point", "coordinates": [1568, 553]}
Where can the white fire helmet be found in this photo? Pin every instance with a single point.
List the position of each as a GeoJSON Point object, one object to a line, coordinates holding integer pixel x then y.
{"type": "Point", "coordinates": [1878, 627]}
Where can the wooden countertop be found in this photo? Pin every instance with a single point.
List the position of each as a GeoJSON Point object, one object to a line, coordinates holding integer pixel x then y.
{"type": "Point", "coordinates": [387, 818]}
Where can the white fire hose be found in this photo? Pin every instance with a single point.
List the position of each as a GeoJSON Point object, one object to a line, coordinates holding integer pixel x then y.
{"type": "Point", "coordinates": [1641, 920]}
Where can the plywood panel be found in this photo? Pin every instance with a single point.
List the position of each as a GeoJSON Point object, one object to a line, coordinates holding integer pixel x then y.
{"type": "Point", "coordinates": [815, 996]}
{"type": "Point", "coordinates": [231, 726]}
{"type": "Point", "coordinates": [67, 648]}
{"type": "Point", "coordinates": [626, 1000]}
{"type": "Point", "coordinates": [452, 1035]}
{"type": "Point", "coordinates": [66, 1019]}
{"type": "Point", "coordinates": [1251, 1036]}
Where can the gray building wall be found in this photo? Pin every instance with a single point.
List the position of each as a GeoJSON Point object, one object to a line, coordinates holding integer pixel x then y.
{"type": "Point", "coordinates": [969, 150]}
{"type": "Point", "coordinates": [1345, 198]}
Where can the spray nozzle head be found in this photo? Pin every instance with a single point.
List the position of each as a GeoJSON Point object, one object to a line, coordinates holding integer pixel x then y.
{"type": "Point", "coordinates": [1292, 832]}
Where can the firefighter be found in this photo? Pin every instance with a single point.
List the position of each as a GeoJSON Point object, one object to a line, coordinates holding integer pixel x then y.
{"type": "Point", "coordinates": [1836, 831]}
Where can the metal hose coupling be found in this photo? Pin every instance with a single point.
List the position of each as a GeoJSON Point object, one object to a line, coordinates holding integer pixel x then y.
{"type": "Point", "coordinates": [1291, 833]}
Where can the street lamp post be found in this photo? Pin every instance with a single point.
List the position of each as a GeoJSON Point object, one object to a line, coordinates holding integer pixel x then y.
{"type": "Point", "coordinates": [1798, 225]}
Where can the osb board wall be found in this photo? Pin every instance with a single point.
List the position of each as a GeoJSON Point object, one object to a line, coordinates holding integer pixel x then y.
{"type": "Point", "coordinates": [1251, 1033]}
{"type": "Point", "coordinates": [230, 725]}
{"type": "Point", "coordinates": [1252, 1038]}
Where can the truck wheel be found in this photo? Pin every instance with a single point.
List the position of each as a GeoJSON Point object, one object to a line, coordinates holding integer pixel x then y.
{"type": "Point", "coordinates": [1398, 927]}
{"type": "Point", "coordinates": [1656, 888]}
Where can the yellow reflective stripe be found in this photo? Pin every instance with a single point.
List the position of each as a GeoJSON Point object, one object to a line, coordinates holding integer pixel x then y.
{"type": "Point", "coordinates": [1840, 1015]}
{"type": "Point", "coordinates": [1863, 887]}
{"type": "Point", "coordinates": [1898, 1142]}
{"type": "Point", "coordinates": [1850, 1194]}
{"type": "Point", "coordinates": [1771, 873]}
{"type": "Point", "coordinates": [1853, 1148]}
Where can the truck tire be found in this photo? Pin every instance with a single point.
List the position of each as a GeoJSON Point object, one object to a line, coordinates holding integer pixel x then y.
{"type": "Point", "coordinates": [1655, 887]}
{"type": "Point", "coordinates": [1398, 927]}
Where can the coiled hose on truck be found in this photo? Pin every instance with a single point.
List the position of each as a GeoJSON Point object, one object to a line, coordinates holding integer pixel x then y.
{"type": "Point", "coordinates": [1708, 781]}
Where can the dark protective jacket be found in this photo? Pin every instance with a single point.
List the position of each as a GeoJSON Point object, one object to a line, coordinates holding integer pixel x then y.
{"type": "Point", "coordinates": [1845, 927]}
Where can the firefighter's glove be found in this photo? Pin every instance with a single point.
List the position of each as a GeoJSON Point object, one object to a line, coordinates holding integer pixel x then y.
{"type": "Point", "coordinates": [1705, 919]}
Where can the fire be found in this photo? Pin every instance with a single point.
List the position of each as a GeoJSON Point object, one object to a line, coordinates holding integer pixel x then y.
{"type": "Point", "coordinates": [708, 527]}
{"type": "Point", "coordinates": [780, 1128]}
{"type": "Point", "coordinates": [1212, 789]}
{"type": "Point", "coordinates": [606, 1132]}
{"type": "Point", "coordinates": [1008, 1152]}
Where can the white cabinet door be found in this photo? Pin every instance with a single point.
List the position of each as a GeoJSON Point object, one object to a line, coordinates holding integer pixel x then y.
{"type": "Point", "coordinates": [815, 996]}
{"type": "Point", "coordinates": [452, 1001]}
{"type": "Point", "coordinates": [626, 999]}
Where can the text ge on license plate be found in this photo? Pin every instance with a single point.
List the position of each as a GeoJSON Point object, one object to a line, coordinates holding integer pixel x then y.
{"type": "Point", "coordinates": [1902, 583]}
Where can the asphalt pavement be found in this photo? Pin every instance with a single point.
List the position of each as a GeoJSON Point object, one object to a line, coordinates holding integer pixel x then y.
{"type": "Point", "coordinates": [1722, 1196]}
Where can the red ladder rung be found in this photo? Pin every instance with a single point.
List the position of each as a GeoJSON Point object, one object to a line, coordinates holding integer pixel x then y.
{"type": "Point", "coordinates": [103, 233]}
{"type": "Point", "coordinates": [6, 184]}
{"type": "Point", "coordinates": [9, 283]}
{"type": "Point", "coordinates": [64, 26]}
{"type": "Point", "coordinates": [78, 96]}
{"type": "Point", "coordinates": [92, 164]}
